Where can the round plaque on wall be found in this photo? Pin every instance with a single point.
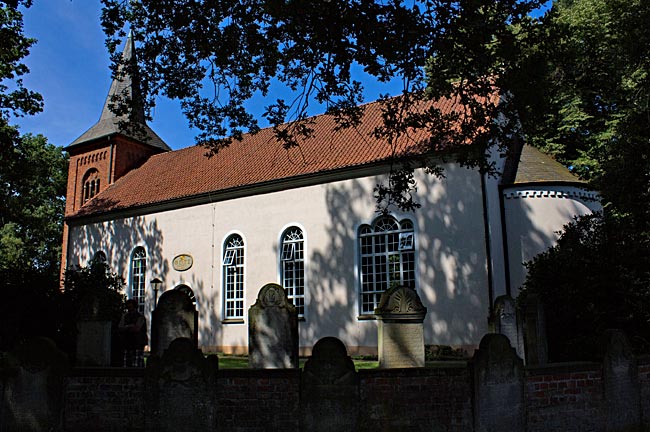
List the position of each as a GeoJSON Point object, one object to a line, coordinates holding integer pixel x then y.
{"type": "Point", "coordinates": [182, 262]}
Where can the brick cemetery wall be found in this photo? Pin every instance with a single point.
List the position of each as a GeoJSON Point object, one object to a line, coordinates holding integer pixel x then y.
{"type": "Point", "coordinates": [564, 397]}
{"type": "Point", "coordinates": [568, 397]}
{"type": "Point", "coordinates": [416, 399]}
{"type": "Point", "coordinates": [258, 400]}
{"type": "Point", "coordinates": [105, 399]}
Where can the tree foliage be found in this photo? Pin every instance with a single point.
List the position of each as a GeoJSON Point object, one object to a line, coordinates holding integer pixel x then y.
{"type": "Point", "coordinates": [93, 292]}
{"type": "Point", "coordinates": [595, 117]}
{"type": "Point", "coordinates": [594, 279]}
{"type": "Point", "coordinates": [216, 56]}
{"type": "Point", "coordinates": [32, 179]}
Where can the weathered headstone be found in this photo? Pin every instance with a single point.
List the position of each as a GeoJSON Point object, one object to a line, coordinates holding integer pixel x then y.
{"type": "Point", "coordinates": [33, 376]}
{"type": "Point", "coordinates": [94, 343]}
{"type": "Point", "coordinates": [506, 323]}
{"type": "Point", "coordinates": [273, 330]}
{"type": "Point", "coordinates": [620, 384]}
{"type": "Point", "coordinates": [498, 386]}
{"type": "Point", "coordinates": [174, 317]}
{"type": "Point", "coordinates": [93, 334]}
{"type": "Point", "coordinates": [535, 331]}
{"type": "Point", "coordinates": [401, 330]}
{"type": "Point", "coordinates": [329, 389]}
{"type": "Point", "coordinates": [181, 389]}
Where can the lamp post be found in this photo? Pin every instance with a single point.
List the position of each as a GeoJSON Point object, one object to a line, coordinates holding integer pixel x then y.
{"type": "Point", "coordinates": [156, 286]}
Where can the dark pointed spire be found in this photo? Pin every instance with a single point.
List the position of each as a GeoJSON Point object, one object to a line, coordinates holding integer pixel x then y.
{"type": "Point", "coordinates": [124, 88]}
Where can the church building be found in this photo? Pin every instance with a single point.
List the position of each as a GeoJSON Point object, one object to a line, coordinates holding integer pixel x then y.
{"type": "Point", "coordinates": [220, 228]}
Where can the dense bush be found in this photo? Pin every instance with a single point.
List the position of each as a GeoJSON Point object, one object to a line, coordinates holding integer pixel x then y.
{"type": "Point", "coordinates": [597, 277]}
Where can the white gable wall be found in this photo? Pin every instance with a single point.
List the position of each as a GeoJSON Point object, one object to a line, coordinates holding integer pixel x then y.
{"type": "Point", "coordinates": [450, 244]}
{"type": "Point", "coordinates": [534, 216]}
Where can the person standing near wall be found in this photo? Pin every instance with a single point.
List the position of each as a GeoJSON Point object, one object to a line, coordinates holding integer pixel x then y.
{"type": "Point", "coordinates": [133, 329]}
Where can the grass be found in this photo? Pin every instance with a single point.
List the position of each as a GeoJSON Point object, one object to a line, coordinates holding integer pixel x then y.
{"type": "Point", "coordinates": [227, 361]}
{"type": "Point", "coordinates": [241, 362]}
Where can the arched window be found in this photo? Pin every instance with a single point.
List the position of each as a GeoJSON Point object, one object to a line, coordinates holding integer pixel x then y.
{"type": "Point", "coordinates": [138, 274]}
{"type": "Point", "coordinates": [233, 277]}
{"type": "Point", "coordinates": [90, 185]}
{"type": "Point", "coordinates": [292, 267]}
{"type": "Point", "coordinates": [387, 249]}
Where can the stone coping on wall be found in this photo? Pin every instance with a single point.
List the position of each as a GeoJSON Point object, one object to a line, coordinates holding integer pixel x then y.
{"type": "Point", "coordinates": [106, 371]}
{"type": "Point", "coordinates": [258, 373]}
{"type": "Point", "coordinates": [442, 367]}
{"type": "Point", "coordinates": [550, 368]}
{"type": "Point", "coordinates": [562, 368]}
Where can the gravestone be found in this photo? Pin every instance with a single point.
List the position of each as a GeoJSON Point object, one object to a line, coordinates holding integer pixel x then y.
{"type": "Point", "coordinates": [181, 389]}
{"type": "Point", "coordinates": [93, 334]}
{"type": "Point", "coordinates": [273, 330]}
{"type": "Point", "coordinates": [620, 384]}
{"type": "Point", "coordinates": [506, 323]}
{"type": "Point", "coordinates": [93, 343]}
{"type": "Point", "coordinates": [174, 317]}
{"type": "Point", "coordinates": [498, 386]}
{"type": "Point", "coordinates": [401, 330]}
{"type": "Point", "coordinates": [33, 376]}
{"type": "Point", "coordinates": [535, 331]}
{"type": "Point", "coordinates": [329, 389]}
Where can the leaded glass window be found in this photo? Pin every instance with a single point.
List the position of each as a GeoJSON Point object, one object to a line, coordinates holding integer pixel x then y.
{"type": "Point", "coordinates": [292, 257]}
{"type": "Point", "coordinates": [138, 275]}
{"type": "Point", "coordinates": [387, 249]}
{"type": "Point", "coordinates": [233, 277]}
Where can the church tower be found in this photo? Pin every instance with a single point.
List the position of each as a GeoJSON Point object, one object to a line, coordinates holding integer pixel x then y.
{"type": "Point", "coordinates": [115, 145]}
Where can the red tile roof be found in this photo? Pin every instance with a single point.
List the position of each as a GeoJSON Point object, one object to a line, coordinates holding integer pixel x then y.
{"type": "Point", "coordinates": [257, 159]}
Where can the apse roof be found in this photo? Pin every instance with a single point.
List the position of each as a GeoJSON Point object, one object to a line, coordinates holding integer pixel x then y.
{"type": "Point", "coordinates": [537, 167]}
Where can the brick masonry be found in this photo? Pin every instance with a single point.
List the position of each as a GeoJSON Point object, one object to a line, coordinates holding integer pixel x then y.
{"type": "Point", "coordinates": [561, 397]}
{"type": "Point", "coordinates": [564, 398]}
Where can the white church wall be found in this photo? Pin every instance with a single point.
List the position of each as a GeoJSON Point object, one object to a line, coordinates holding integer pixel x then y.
{"type": "Point", "coordinates": [450, 244]}
{"type": "Point", "coordinates": [534, 216]}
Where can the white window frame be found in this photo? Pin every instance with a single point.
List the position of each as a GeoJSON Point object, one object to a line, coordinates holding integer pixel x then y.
{"type": "Point", "coordinates": [138, 267]}
{"type": "Point", "coordinates": [379, 248]}
{"type": "Point", "coordinates": [233, 277]}
{"type": "Point", "coordinates": [292, 256]}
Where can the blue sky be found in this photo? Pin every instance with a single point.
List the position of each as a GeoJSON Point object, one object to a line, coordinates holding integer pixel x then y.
{"type": "Point", "coordinates": [69, 66]}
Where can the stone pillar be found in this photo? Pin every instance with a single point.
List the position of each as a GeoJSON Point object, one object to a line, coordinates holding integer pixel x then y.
{"type": "Point", "coordinates": [94, 343]}
{"type": "Point", "coordinates": [535, 331]}
{"type": "Point", "coordinates": [401, 330]}
{"type": "Point", "coordinates": [181, 389]}
{"type": "Point", "coordinates": [329, 389]}
{"type": "Point", "coordinates": [33, 380]}
{"type": "Point", "coordinates": [174, 317]}
{"type": "Point", "coordinates": [272, 330]}
{"type": "Point", "coordinates": [620, 384]}
{"type": "Point", "coordinates": [506, 323]}
{"type": "Point", "coordinates": [94, 331]}
{"type": "Point", "coordinates": [498, 386]}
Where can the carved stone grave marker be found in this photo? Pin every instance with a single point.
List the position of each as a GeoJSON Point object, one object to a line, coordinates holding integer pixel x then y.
{"type": "Point", "coordinates": [620, 384]}
{"type": "Point", "coordinates": [507, 324]}
{"type": "Point", "coordinates": [174, 317]}
{"type": "Point", "coordinates": [401, 330]}
{"type": "Point", "coordinates": [273, 330]}
{"type": "Point", "coordinates": [181, 389]}
{"type": "Point", "coordinates": [329, 389]}
{"type": "Point", "coordinates": [498, 386]}
{"type": "Point", "coordinates": [33, 377]}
